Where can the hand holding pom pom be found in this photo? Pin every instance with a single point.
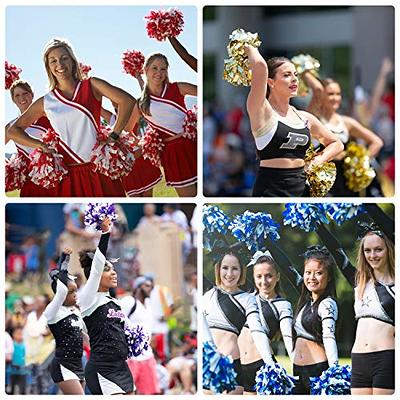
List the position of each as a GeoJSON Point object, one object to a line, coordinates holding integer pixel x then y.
{"type": "Point", "coordinates": [164, 23]}
{"type": "Point", "coordinates": [85, 70]}
{"type": "Point", "coordinates": [152, 145]}
{"type": "Point", "coordinates": [11, 74]}
{"type": "Point", "coordinates": [335, 380]}
{"type": "Point", "coordinates": [273, 379]}
{"type": "Point", "coordinates": [190, 124]}
{"type": "Point", "coordinates": [97, 213]}
{"type": "Point", "coordinates": [137, 340]}
{"type": "Point", "coordinates": [132, 62]}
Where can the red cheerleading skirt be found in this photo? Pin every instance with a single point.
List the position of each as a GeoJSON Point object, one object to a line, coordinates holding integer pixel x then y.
{"type": "Point", "coordinates": [32, 190]}
{"type": "Point", "coordinates": [81, 181]}
{"type": "Point", "coordinates": [179, 160]}
{"type": "Point", "coordinates": [144, 176]}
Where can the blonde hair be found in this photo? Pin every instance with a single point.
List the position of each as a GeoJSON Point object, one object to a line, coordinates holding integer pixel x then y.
{"type": "Point", "coordinates": [55, 44]}
{"type": "Point", "coordinates": [217, 270]}
{"type": "Point", "coordinates": [144, 100]}
{"type": "Point", "coordinates": [364, 271]}
{"type": "Point", "coordinates": [22, 84]}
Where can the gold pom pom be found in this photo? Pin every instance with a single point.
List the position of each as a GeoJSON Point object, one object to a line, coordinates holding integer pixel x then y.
{"type": "Point", "coordinates": [303, 63]}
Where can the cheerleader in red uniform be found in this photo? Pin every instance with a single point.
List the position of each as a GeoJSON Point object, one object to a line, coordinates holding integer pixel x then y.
{"type": "Point", "coordinates": [22, 96]}
{"type": "Point", "coordinates": [73, 109]}
{"type": "Point", "coordinates": [162, 104]}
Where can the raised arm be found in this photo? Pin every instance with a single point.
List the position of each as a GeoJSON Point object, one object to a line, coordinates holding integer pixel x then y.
{"type": "Point", "coordinates": [183, 53]}
{"type": "Point", "coordinates": [258, 107]}
{"type": "Point", "coordinates": [17, 132]}
{"type": "Point", "coordinates": [318, 93]}
{"type": "Point", "coordinates": [385, 223]}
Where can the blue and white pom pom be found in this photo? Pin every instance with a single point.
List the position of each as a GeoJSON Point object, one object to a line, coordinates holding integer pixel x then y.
{"type": "Point", "coordinates": [335, 380]}
{"type": "Point", "coordinates": [306, 216]}
{"type": "Point", "coordinates": [214, 221]}
{"type": "Point", "coordinates": [218, 372]}
{"type": "Point", "coordinates": [96, 212]}
{"type": "Point", "coordinates": [253, 228]}
{"type": "Point", "coordinates": [137, 340]}
{"type": "Point", "coordinates": [273, 379]}
{"type": "Point", "coordinates": [342, 212]}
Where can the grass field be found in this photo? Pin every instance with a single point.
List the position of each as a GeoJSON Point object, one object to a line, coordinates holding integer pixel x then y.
{"type": "Point", "coordinates": [285, 362]}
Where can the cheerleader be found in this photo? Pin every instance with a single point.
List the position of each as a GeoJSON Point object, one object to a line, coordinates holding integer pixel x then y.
{"type": "Point", "coordinates": [162, 104]}
{"type": "Point", "coordinates": [227, 309]}
{"type": "Point", "coordinates": [373, 280]}
{"type": "Point", "coordinates": [325, 103]}
{"type": "Point", "coordinates": [106, 371]}
{"type": "Point", "coordinates": [22, 96]}
{"type": "Point", "coordinates": [65, 323]}
{"type": "Point", "coordinates": [282, 134]}
{"type": "Point", "coordinates": [276, 316]}
{"type": "Point", "coordinates": [73, 109]}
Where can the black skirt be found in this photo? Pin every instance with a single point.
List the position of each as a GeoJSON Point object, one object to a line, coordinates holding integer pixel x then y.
{"type": "Point", "coordinates": [66, 369]}
{"type": "Point", "coordinates": [280, 182]}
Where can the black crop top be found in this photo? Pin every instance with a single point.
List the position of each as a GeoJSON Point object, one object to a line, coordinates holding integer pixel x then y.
{"type": "Point", "coordinates": [287, 142]}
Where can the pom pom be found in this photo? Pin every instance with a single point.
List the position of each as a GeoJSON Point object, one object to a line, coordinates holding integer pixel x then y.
{"type": "Point", "coordinates": [11, 74]}
{"type": "Point", "coordinates": [16, 172]}
{"type": "Point", "coordinates": [342, 212]}
{"type": "Point", "coordinates": [215, 222]}
{"type": "Point", "coordinates": [190, 124]}
{"type": "Point", "coordinates": [335, 380]}
{"type": "Point", "coordinates": [47, 169]}
{"type": "Point", "coordinates": [137, 340]}
{"type": "Point", "coordinates": [132, 62]}
{"type": "Point", "coordinates": [162, 24]}
{"type": "Point", "coordinates": [305, 215]}
{"type": "Point", "coordinates": [218, 372]}
{"type": "Point", "coordinates": [273, 379]}
{"type": "Point", "coordinates": [85, 70]}
{"type": "Point", "coordinates": [96, 212]}
{"type": "Point", "coordinates": [152, 145]}
{"type": "Point", "coordinates": [252, 229]}
{"type": "Point", "coordinates": [303, 63]}
{"type": "Point", "coordinates": [113, 158]}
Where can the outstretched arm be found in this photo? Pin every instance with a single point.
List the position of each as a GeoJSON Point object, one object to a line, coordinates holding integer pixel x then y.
{"type": "Point", "coordinates": [318, 93]}
{"type": "Point", "coordinates": [183, 53]}
{"type": "Point", "coordinates": [381, 219]}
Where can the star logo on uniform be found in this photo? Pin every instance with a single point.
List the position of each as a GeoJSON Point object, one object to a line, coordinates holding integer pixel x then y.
{"type": "Point", "coordinates": [330, 310]}
{"type": "Point", "coordinates": [332, 329]}
{"type": "Point", "coordinates": [205, 313]}
{"type": "Point", "coordinates": [365, 302]}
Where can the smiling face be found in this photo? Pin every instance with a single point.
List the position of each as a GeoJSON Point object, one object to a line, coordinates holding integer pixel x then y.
{"type": "Point", "coordinates": [60, 63]}
{"type": "Point", "coordinates": [229, 272]}
{"type": "Point", "coordinates": [375, 252]}
{"type": "Point", "coordinates": [108, 278]}
{"type": "Point", "coordinates": [333, 95]}
{"type": "Point", "coordinates": [22, 98]}
{"type": "Point", "coordinates": [315, 276]}
{"type": "Point", "coordinates": [265, 278]}
{"type": "Point", "coordinates": [285, 81]}
{"type": "Point", "coordinates": [157, 71]}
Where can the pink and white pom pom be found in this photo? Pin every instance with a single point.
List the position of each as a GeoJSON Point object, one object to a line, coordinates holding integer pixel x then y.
{"type": "Point", "coordinates": [162, 24]}
{"type": "Point", "coordinates": [190, 124]}
{"type": "Point", "coordinates": [11, 74]}
{"type": "Point", "coordinates": [85, 69]}
{"type": "Point", "coordinates": [114, 159]}
{"type": "Point", "coordinates": [47, 169]}
{"type": "Point", "coordinates": [152, 146]}
{"type": "Point", "coordinates": [16, 172]}
{"type": "Point", "coordinates": [132, 62]}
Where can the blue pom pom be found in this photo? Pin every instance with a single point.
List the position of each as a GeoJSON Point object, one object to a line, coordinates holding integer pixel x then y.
{"type": "Point", "coordinates": [214, 221]}
{"type": "Point", "coordinates": [96, 212]}
{"type": "Point", "coordinates": [137, 340]}
{"type": "Point", "coordinates": [254, 228]}
{"type": "Point", "coordinates": [335, 380]}
{"type": "Point", "coordinates": [218, 372]}
{"type": "Point", "coordinates": [305, 215]}
{"type": "Point", "coordinates": [273, 379]}
{"type": "Point", "coordinates": [342, 212]}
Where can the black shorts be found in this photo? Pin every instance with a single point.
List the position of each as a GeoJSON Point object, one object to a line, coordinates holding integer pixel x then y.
{"type": "Point", "coordinates": [373, 370]}
{"type": "Point", "coordinates": [339, 188]}
{"type": "Point", "coordinates": [110, 377]}
{"type": "Point", "coordinates": [280, 182]}
{"type": "Point", "coordinates": [249, 374]}
{"type": "Point", "coordinates": [239, 372]}
{"type": "Point", "coordinates": [305, 372]}
{"type": "Point", "coordinates": [65, 369]}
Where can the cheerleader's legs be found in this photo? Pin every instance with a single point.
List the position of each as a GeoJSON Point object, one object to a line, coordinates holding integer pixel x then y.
{"type": "Point", "coordinates": [187, 191]}
{"type": "Point", "coordinates": [72, 386]}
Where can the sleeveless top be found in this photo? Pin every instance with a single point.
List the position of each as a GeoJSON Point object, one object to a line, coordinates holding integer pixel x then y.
{"type": "Point", "coordinates": [339, 130]}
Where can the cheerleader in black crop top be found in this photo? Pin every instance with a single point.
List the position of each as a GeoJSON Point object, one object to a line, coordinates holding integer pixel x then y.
{"type": "Point", "coordinates": [66, 325]}
{"type": "Point", "coordinates": [227, 309]}
{"type": "Point", "coordinates": [374, 306]}
{"type": "Point", "coordinates": [276, 317]}
{"type": "Point", "coordinates": [107, 371]}
{"type": "Point", "coordinates": [281, 133]}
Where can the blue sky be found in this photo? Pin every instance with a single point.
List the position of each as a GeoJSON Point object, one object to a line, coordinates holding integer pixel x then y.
{"type": "Point", "coordinates": [99, 36]}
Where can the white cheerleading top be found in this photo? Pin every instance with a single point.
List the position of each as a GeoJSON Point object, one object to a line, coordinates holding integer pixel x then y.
{"type": "Point", "coordinates": [340, 130]}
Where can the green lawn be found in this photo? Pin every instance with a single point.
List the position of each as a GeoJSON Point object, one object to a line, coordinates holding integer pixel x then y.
{"type": "Point", "coordinates": [287, 364]}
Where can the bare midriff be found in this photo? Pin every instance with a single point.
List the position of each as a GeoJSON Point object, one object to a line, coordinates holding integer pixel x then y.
{"type": "Point", "coordinates": [226, 342]}
{"type": "Point", "coordinates": [307, 352]}
{"type": "Point", "coordinates": [248, 350]}
{"type": "Point", "coordinates": [282, 163]}
{"type": "Point", "coordinates": [373, 335]}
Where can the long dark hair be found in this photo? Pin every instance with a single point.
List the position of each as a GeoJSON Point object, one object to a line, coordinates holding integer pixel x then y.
{"type": "Point", "coordinates": [270, 261]}
{"type": "Point", "coordinates": [324, 258]}
{"type": "Point", "coordinates": [273, 64]}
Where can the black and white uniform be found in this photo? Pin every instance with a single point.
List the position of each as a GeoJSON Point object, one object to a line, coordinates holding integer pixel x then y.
{"type": "Point", "coordinates": [279, 140]}
{"type": "Point", "coordinates": [230, 312]}
{"type": "Point", "coordinates": [106, 371]}
{"type": "Point", "coordinates": [323, 333]}
{"type": "Point", "coordinates": [66, 325]}
{"type": "Point", "coordinates": [276, 315]}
